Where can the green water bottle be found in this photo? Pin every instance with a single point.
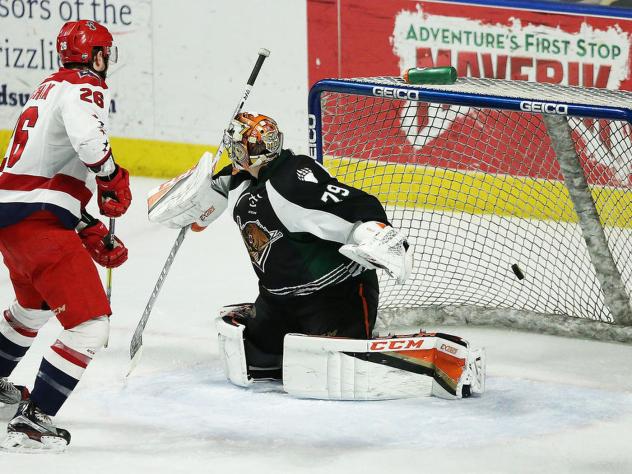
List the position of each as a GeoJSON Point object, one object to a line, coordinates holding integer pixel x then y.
{"type": "Point", "coordinates": [430, 75]}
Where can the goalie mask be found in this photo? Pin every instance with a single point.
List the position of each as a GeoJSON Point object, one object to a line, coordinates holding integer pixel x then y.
{"type": "Point", "coordinates": [252, 140]}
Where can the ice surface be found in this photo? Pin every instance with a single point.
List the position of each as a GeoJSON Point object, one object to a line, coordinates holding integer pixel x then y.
{"type": "Point", "coordinates": [553, 404]}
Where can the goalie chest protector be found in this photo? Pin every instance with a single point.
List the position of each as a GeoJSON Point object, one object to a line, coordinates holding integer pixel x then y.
{"type": "Point", "coordinates": [293, 219]}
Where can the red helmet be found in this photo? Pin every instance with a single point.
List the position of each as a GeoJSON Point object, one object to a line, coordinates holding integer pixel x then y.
{"type": "Point", "coordinates": [253, 140]}
{"type": "Point", "coordinates": [77, 38]}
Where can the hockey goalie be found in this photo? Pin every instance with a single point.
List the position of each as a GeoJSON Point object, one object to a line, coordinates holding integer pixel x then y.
{"type": "Point", "coordinates": [315, 244]}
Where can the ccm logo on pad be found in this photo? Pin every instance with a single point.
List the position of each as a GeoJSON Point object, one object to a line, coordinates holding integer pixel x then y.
{"type": "Point", "coordinates": [544, 107]}
{"type": "Point", "coordinates": [397, 345]}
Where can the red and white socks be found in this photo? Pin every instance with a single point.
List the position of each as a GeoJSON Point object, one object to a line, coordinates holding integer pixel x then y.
{"type": "Point", "coordinates": [18, 328]}
{"type": "Point", "coordinates": [66, 360]}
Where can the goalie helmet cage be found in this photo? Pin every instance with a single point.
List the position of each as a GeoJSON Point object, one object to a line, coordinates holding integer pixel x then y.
{"type": "Point", "coordinates": [516, 196]}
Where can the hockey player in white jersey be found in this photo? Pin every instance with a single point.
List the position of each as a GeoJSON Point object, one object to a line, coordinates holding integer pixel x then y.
{"type": "Point", "coordinates": [59, 146]}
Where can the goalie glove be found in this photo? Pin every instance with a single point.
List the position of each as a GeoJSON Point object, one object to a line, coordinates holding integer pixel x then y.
{"type": "Point", "coordinates": [375, 245]}
{"type": "Point", "coordinates": [188, 199]}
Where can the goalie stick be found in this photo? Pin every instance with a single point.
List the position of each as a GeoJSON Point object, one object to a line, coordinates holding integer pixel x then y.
{"type": "Point", "coordinates": [136, 345]}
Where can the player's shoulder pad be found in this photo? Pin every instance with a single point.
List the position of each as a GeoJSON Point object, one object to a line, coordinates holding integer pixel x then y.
{"type": "Point", "coordinates": [77, 77]}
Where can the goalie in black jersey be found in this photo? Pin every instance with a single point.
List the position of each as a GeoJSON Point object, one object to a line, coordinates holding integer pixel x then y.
{"type": "Point", "coordinates": [314, 243]}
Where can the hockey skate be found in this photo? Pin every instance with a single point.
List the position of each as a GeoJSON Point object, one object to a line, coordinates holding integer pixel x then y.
{"type": "Point", "coordinates": [10, 396]}
{"type": "Point", "coordinates": [9, 393]}
{"type": "Point", "coordinates": [31, 430]}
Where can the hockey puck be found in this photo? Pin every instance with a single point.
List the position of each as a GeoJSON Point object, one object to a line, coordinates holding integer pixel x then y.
{"type": "Point", "coordinates": [517, 271]}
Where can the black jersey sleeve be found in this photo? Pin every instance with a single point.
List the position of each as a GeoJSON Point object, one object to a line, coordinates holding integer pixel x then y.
{"type": "Point", "coordinates": [227, 180]}
{"type": "Point", "coordinates": [306, 198]}
{"type": "Point", "coordinates": [221, 180]}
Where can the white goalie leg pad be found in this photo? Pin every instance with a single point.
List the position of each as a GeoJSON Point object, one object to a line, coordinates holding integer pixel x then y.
{"type": "Point", "coordinates": [187, 199]}
{"type": "Point", "coordinates": [230, 335]}
{"type": "Point", "coordinates": [347, 369]}
{"type": "Point", "coordinates": [474, 371]}
{"type": "Point", "coordinates": [410, 366]}
{"type": "Point", "coordinates": [459, 369]}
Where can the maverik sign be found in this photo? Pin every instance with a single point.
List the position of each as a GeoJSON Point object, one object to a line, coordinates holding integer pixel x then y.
{"type": "Point", "coordinates": [480, 41]}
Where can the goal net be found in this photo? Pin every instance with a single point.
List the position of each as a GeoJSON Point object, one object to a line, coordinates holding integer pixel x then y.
{"type": "Point", "coordinates": [516, 196]}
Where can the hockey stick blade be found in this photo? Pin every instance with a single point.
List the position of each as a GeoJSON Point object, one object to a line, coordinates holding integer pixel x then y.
{"type": "Point", "coordinates": [137, 339]}
{"type": "Point", "coordinates": [135, 360]}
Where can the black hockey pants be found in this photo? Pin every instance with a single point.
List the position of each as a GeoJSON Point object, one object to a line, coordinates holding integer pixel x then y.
{"type": "Point", "coordinates": [347, 309]}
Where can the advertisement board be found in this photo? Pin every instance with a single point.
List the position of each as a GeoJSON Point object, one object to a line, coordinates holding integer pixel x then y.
{"type": "Point", "coordinates": [359, 38]}
{"type": "Point", "coordinates": [352, 38]}
{"type": "Point", "coordinates": [182, 68]}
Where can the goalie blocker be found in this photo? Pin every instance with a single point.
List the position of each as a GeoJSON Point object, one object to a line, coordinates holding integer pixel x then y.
{"type": "Point", "coordinates": [329, 368]}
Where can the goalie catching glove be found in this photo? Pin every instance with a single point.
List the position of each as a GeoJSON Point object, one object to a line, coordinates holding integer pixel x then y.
{"type": "Point", "coordinates": [376, 245]}
{"type": "Point", "coordinates": [188, 199]}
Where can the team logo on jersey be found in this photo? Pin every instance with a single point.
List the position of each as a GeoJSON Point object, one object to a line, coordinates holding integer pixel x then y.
{"type": "Point", "coordinates": [305, 174]}
{"type": "Point", "coordinates": [86, 72]}
{"type": "Point", "coordinates": [258, 241]}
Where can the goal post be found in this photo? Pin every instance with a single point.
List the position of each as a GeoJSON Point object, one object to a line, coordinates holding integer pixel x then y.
{"type": "Point", "coordinates": [516, 196]}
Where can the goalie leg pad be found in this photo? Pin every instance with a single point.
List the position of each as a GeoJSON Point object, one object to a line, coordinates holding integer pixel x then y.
{"type": "Point", "coordinates": [230, 335]}
{"type": "Point", "coordinates": [243, 361]}
{"type": "Point", "coordinates": [347, 369]}
{"type": "Point", "coordinates": [385, 368]}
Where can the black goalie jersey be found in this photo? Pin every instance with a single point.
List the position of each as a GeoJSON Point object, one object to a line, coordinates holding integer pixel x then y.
{"type": "Point", "coordinates": [293, 219]}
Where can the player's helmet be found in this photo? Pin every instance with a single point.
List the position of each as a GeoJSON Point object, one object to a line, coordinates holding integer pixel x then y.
{"type": "Point", "coordinates": [252, 140]}
{"type": "Point", "coordinates": [77, 39]}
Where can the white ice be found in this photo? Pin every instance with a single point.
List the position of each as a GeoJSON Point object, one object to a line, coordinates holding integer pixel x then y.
{"type": "Point", "coordinates": [553, 404]}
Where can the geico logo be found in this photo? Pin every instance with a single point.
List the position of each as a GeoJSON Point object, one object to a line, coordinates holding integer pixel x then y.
{"type": "Point", "coordinates": [544, 107]}
{"type": "Point", "coordinates": [393, 93]}
{"type": "Point", "coordinates": [448, 349]}
{"type": "Point", "coordinates": [312, 128]}
{"type": "Point", "coordinates": [396, 345]}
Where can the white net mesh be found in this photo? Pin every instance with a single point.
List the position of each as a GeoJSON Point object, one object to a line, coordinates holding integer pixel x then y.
{"type": "Point", "coordinates": [482, 198]}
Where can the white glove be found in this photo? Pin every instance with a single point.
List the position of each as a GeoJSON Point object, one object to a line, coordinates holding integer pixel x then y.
{"type": "Point", "coordinates": [376, 245]}
{"type": "Point", "coordinates": [187, 199]}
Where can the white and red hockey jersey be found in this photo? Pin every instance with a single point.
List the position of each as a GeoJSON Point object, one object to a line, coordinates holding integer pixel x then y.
{"type": "Point", "coordinates": [61, 133]}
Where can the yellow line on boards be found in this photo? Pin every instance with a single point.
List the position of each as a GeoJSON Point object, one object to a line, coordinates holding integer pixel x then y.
{"type": "Point", "coordinates": [402, 185]}
{"type": "Point", "coordinates": [441, 189]}
{"type": "Point", "coordinates": [155, 158]}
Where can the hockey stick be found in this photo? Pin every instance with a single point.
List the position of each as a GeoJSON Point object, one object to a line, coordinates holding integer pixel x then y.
{"type": "Point", "coordinates": [136, 345]}
{"type": "Point", "coordinates": [108, 275]}
{"type": "Point", "coordinates": [109, 242]}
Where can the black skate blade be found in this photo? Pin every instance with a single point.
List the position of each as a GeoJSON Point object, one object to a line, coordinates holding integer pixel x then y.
{"type": "Point", "coordinates": [19, 442]}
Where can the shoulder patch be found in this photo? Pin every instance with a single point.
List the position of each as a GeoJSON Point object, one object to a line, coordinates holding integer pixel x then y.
{"type": "Point", "coordinates": [307, 175]}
